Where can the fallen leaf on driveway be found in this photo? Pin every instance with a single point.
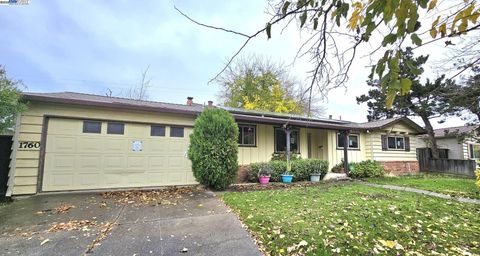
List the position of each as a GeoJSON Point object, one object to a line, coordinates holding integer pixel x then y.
{"type": "Point", "coordinates": [45, 241]}
{"type": "Point", "coordinates": [63, 208]}
{"type": "Point", "coordinates": [73, 225]}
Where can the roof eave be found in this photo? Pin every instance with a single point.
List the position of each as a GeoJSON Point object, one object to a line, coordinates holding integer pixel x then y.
{"type": "Point", "coordinates": [49, 99]}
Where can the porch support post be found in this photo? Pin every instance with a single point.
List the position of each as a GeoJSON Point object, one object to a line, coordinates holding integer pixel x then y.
{"type": "Point", "coordinates": [287, 133]}
{"type": "Point", "coordinates": [345, 134]}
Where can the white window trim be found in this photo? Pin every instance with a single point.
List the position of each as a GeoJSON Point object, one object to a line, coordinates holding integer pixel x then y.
{"type": "Point", "coordinates": [353, 134]}
{"type": "Point", "coordinates": [396, 137]}
{"type": "Point", "coordinates": [254, 127]}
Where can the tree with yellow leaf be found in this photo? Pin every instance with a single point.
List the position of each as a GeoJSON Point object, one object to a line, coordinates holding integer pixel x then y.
{"type": "Point", "coordinates": [256, 83]}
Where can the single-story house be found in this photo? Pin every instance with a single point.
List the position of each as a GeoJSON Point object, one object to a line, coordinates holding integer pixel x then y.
{"type": "Point", "coordinates": [72, 141]}
{"type": "Point", "coordinates": [461, 142]}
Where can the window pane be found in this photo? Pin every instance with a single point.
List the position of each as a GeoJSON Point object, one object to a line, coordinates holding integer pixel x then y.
{"type": "Point", "coordinates": [280, 141]}
{"type": "Point", "coordinates": [391, 143]}
{"type": "Point", "coordinates": [92, 127]}
{"type": "Point", "coordinates": [476, 151]}
{"type": "Point", "coordinates": [157, 130]}
{"type": "Point", "coordinates": [294, 141]}
{"type": "Point", "coordinates": [240, 135]}
{"type": "Point", "coordinates": [400, 143]}
{"type": "Point", "coordinates": [353, 141]}
{"type": "Point", "coordinates": [340, 140]}
{"type": "Point", "coordinates": [176, 131]}
{"type": "Point", "coordinates": [115, 128]}
{"type": "Point", "coordinates": [249, 135]}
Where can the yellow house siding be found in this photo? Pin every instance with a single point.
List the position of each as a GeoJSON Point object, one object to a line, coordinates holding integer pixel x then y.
{"type": "Point", "coordinates": [335, 155]}
{"type": "Point", "coordinates": [398, 129]}
{"type": "Point", "coordinates": [266, 145]}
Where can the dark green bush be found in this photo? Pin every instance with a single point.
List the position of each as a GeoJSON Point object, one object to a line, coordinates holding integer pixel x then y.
{"type": "Point", "coordinates": [366, 169]}
{"type": "Point", "coordinates": [213, 149]}
{"type": "Point", "coordinates": [301, 169]}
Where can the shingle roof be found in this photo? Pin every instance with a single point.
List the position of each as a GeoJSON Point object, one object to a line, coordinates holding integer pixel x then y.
{"type": "Point", "coordinates": [195, 109]}
{"type": "Point", "coordinates": [106, 101]}
{"type": "Point", "coordinates": [453, 131]}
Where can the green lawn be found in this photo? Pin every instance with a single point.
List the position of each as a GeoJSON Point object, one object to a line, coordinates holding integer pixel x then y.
{"type": "Point", "coordinates": [354, 219]}
{"type": "Point", "coordinates": [438, 183]}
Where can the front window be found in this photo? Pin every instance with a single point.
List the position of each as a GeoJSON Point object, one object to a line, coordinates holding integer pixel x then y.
{"type": "Point", "coordinates": [246, 135]}
{"type": "Point", "coordinates": [475, 151]}
{"type": "Point", "coordinates": [396, 143]}
{"type": "Point", "coordinates": [353, 141]}
{"type": "Point", "coordinates": [281, 141]}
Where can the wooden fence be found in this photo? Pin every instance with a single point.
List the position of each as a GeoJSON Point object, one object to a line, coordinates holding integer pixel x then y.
{"type": "Point", "coordinates": [447, 166]}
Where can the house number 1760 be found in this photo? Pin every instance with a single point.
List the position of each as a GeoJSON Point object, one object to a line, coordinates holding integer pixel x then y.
{"type": "Point", "coordinates": [29, 144]}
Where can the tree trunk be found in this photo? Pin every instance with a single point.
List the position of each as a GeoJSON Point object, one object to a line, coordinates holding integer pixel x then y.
{"type": "Point", "coordinates": [431, 137]}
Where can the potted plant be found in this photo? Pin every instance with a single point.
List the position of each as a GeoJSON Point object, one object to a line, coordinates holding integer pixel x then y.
{"type": "Point", "coordinates": [316, 175]}
{"type": "Point", "coordinates": [287, 176]}
{"type": "Point", "coordinates": [264, 174]}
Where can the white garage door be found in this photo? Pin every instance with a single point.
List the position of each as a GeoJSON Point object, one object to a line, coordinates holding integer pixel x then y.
{"type": "Point", "coordinates": [83, 154]}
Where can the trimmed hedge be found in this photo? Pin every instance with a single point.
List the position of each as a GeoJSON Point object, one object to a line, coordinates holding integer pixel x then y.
{"type": "Point", "coordinates": [366, 169]}
{"type": "Point", "coordinates": [213, 149]}
{"type": "Point", "coordinates": [301, 169]}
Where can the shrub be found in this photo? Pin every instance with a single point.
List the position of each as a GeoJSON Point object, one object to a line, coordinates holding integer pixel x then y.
{"type": "Point", "coordinates": [213, 149]}
{"type": "Point", "coordinates": [365, 169]}
{"type": "Point", "coordinates": [338, 168]}
{"type": "Point", "coordinates": [282, 156]}
{"type": "Point", "coordinates": [301, 169]}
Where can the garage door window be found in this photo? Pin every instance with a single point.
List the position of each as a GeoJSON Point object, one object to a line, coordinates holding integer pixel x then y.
{"type": "Point", "coordinates": [176, 131]}
{"type": "Point", "coordinates": [115, 128]}
{"type": "Point", "coordinates": [157, 130]}
{"type": "Point", "coordinates": [92, 127]}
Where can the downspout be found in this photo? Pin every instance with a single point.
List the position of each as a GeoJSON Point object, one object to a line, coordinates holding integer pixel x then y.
{"type": "Point", "coordinates": [13, 158]}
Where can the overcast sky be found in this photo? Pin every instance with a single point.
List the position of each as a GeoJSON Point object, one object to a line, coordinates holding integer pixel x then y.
{"type": "Point", "coordinates": [93, 46]}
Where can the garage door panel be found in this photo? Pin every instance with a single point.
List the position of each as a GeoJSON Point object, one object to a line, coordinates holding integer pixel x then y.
{"type": "Point", "coordinates": [62, 163]}
{"type": "Point", "coordinates": [89, 145]}
{"type": "Point", "coordinates": [91, 162]}
{"type": "Point", "coordinates": [157, 162]}
{"type": "Point", "coordinates": [114, 145]}
{"type": "Point", "coordinates": [176, 162]}
{"type": "Point", "coordinates": [76, 160]}
{"type": "Point", "coordinates": [114, 162]}
{"type": "Point", "coordinates": [157, 147]}
{"type": "Point", "coordinates": [64, 126]}
{"type": "Point", "coordinates": [62, 180]}
{"type": "Point", "coordinates": [89, 179]}
{"type": "Point", "coordinates": [137, 162]}
{"type": "Point", "coordinates": [62, 144]}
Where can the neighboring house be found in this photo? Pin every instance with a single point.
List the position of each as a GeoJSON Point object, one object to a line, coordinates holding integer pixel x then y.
{"type": "Point", "coordinates": [461, 142]}
{"type": "Point", "coordinates": [72, 141]}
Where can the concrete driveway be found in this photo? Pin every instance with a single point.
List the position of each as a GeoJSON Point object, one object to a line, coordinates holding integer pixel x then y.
{"type": "Point", "coordinates": [193, 223]}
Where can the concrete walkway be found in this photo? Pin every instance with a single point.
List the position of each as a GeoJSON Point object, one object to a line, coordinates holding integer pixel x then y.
{"type": "Point", "coordinates": [196, 224]}
{"type": "Point", "coordinates": [424, 192]}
